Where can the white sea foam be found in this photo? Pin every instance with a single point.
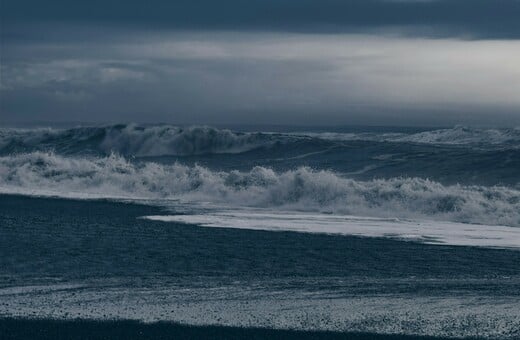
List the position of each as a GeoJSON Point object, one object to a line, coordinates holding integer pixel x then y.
{"type": "Point", "coordinates": [301, 189]}
{"type": "Point", "coordinates": [448, 233]}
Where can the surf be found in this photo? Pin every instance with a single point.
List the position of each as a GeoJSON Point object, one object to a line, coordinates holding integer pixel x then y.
{"type": "Point", "coordinates": [298, 189]}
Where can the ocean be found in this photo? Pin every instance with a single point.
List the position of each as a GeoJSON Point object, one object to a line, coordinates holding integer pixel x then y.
{"type": "Point", "coordinates": [360, 231]}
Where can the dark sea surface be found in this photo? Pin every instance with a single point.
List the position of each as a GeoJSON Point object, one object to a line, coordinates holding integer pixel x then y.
{"type": "Point", "coordinates": [324, 232]}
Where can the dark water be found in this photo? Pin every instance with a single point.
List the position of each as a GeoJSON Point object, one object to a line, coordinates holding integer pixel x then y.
{"type": "Point", "coordinates": [75, 242]}
{"type": "Point", "coordinates": [79, 240]}
{"type": "Point", "coordinates": [96, 259]}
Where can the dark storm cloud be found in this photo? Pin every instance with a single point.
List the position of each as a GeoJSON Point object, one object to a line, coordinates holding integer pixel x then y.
{"type": "Point", "coordinates": [469, 18]}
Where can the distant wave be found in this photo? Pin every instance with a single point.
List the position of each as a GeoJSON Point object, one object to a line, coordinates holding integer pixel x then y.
{"type": "Point", "coordinates": [459, 135]}
{"type": "Point", "coordinates": [132, 140]}
{"type": "Point", "coordinates": [302, 189]}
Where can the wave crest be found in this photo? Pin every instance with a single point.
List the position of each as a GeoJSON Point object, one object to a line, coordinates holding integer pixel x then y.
{"type": "Point", "coordinates": [299, 189]}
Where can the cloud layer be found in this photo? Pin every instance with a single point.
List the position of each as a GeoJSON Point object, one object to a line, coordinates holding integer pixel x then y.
{"type": "Point", "coordinates": [411, 62]}
{"type": "Point", "coordinates": [230, 77]}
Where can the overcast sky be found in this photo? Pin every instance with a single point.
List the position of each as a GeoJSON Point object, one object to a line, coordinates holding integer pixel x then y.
{"type": "Point", "coordinates": [320, 62]}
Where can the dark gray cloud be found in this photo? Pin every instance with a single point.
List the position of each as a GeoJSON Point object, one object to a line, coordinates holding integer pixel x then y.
{"type": "Point", "coordinates": [469, 18]}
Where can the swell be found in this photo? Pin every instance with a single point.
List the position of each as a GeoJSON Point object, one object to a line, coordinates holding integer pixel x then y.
{"type": "Point", "coordinates": [301, 189]}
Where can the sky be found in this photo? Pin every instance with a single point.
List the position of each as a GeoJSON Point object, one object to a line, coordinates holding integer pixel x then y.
{"type": "Point", "coordinates": [275, 62]}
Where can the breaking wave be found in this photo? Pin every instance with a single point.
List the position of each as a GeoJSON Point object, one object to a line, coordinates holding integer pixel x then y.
{"type": "Point", "coordinates": [132, 140]}
{"type": "Point", "coordinates": [305, 189]}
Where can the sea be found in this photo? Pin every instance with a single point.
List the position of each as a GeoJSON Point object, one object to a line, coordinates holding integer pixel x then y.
{"type": "Point", "coordinates": [391, 231]}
